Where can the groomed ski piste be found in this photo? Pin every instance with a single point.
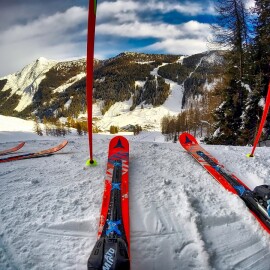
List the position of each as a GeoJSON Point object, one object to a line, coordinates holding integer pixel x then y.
{"type": "Point", "coordinates": [180, 217]}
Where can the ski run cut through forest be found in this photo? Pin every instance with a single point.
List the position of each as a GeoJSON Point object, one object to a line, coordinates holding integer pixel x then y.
{"type": "Point", "coordinates": [180, 217]}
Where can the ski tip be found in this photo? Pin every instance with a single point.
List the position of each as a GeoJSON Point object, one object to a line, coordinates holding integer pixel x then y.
{"type": "Point", "coordinates": [91, 163]}
{"type": "Point", "coordinates": [187, 139]}
{"type": "Point", "coordinates": [119, 142]}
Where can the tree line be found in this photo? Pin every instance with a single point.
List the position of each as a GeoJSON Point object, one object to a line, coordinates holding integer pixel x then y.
{"type": "Point", "coordinates": [54, 127]}
{"type": "Point", "coordinates": [198, 119]}
{"type": "Point", "coordinates": [233, 108]}
{"type": "Point", "coordinates": [246, 70]}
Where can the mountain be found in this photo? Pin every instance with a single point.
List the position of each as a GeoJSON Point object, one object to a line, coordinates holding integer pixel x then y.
{"type": "Point", "coordinates": [125, 84]}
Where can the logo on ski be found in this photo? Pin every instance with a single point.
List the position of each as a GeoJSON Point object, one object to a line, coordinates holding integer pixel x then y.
{"type": "Point", "coordinates": [116, 186]}
{"type": "Point", "coordinates": [188, 140]}
{"type": "Point", "coordinates": [119, 144]}
{"type": "Point", "coordinates": [108, 259]}
{"type": "Point", "coordinates": [113, 227]}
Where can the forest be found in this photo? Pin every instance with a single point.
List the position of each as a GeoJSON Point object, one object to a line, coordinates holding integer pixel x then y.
{"type": "Point", "coordinates": [230, 113]}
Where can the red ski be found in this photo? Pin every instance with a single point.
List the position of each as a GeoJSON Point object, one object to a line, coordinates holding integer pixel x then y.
{"type": "Point", "coordinates": [112, 249]}
{"type": "Point", "coordinates": [42, 153]}
{"type": "Point", "coordinates": [258, 200]}
{"type": "Point", "coordinates": [11, 150]}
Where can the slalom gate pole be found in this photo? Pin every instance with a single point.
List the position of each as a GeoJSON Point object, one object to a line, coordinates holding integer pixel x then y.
{"type": "Point", "coordinates": [90, 73]}
{"type": "Point", "coordinates": [265, 112]}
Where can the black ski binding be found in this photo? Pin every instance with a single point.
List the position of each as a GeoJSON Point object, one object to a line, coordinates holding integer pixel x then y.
{"type": "Point", "coordinates": [109, 253]}
{"type": "Point", "coordinates": [262, 194]}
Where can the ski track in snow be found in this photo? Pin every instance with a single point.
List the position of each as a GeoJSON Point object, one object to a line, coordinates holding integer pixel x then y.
{"type": "Point", "coordinates": [180, 217]}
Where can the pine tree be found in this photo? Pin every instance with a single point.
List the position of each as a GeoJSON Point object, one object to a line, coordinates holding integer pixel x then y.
{"type": "Point", "coordinates": [78, 127]}
{"type": "Point", "coordinates": [260, 64]}
{"type": "Point", "coordinates": [232, 33]}
{"type": "Point", "coordinates": [114, 129]}
{"type": "Point", "coordinates": [37, 128]}
{"type": "Point", "coordinates": [46, 125]}
{"type": "Point", "coordinates": [84, 127]}
{"type": "Point", "coordinates": [261, 44]}
{"type": "Point", "coordinates": [58, 128]}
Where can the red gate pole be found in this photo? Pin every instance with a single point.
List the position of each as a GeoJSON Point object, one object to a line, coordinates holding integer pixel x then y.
{"type": "Point", "coordinates": [90, 73]}
{"type": "Point", "coordinates": [265, 112]}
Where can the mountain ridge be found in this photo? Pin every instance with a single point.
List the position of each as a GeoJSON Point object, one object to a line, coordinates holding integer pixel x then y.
{"type": "Point", "coordinates": [49, 88]}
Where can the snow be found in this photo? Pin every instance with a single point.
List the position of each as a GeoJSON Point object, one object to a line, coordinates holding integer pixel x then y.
{"type": "Point", "coordinates": [262, 102]}
{"type": "Point", "coordinates": [214, 58]}
{"type": "Point", "coordinates": [67, 104]}
{"type": "Point", "coordinates": [71, 81]}
{"type": "Point", "coordinates": [246, 86]}
{"type": "Point", "coordinates": [148, 117]}
{"type": "Point", "coordinates": [173, 103]}
{"type": "Point", "coordinates": [25, 83]}
{"type": "Point", "coordinates": [217, 131]}
{"type": "Point", "coordinates": [181, 218]}
{"type": "Point", "coordinates": [181, 59]}
{"type": "Point", "coordinates": [14, 129]}
{"type": "Point", "coordinates": [140, 83]}
{"type": "Point", "coordinates": [210, 86]}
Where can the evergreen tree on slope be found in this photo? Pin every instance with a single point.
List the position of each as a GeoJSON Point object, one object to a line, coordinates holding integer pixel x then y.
{"type": "Point", "coordinates": [231, 32]}
{"type": "Point", "coordinates": [260, 52]}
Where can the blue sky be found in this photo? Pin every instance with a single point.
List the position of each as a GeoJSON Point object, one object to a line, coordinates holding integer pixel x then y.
{"type": "Point", "coordinates": [56, 29]}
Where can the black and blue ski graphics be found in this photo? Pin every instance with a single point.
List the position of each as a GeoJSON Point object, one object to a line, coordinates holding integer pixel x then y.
{"type": "Point", "coordinates": [111, 251]}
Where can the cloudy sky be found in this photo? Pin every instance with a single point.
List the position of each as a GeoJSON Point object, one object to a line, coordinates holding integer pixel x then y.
{"type": "Point", "coordinates": [56, 29]}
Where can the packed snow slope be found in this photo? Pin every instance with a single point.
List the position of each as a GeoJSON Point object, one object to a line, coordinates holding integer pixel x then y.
{"type": "Point", "coordinates": [181, 218]}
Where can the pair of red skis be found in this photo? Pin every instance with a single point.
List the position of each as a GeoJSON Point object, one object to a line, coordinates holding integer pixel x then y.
{"type": "Point", "coordinates": [112, 249]}
{"type": "Point", "coordinates": [42, 153]}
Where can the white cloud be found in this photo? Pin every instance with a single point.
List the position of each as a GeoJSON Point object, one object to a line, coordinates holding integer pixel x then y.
{"type": "Point", "coordinates": [48, 27]}
{"type": "Point", "coordinates": [186, 46]}
{"type": "Point", "coordinates": [53, 37]}
{"type": "Point", "coordinates": [127, 10]}
{"type": "Point", "coordinates": [61, 35]}
{"type": "Point", "coordinates": [187, 38]}
{"type": "Point", "coordinates": [250, 4]}
{"type": "Point", "coordinates": [187, 7]}
{"type": "Point", "coordinates": [123, 11]}
{"type": "Point", "coordinates": [154, 30]}
{"type": "Point", "coordinates": [138, 30]}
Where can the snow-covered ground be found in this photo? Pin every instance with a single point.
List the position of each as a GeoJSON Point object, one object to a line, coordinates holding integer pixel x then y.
{"type": "Point", "coordinates": [180, 217]}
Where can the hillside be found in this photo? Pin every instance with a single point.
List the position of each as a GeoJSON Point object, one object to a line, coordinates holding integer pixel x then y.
{"type": "Point", "coordinates": [131, 81]}
{"type": "Point", "coordinates": [179, 215]}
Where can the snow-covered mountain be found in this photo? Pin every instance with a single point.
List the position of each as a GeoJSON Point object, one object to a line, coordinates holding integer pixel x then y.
{"type": "Point", "coordinates": [26, 82]}
{"type": "Point", "coordinates": [129, 84]}
{"type": "Point", "coordinates": [181, 218]}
